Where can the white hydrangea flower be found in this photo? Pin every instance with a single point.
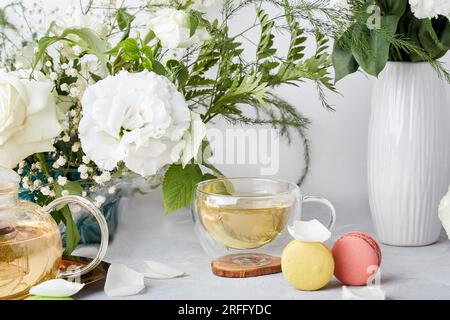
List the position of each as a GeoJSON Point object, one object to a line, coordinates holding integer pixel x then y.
{"type": "Point", "coordinates": [171, 27]}
{"type": "Point", "coordinates": [427, 9]}
{"type": "Point", "coordinates": [140, 119]}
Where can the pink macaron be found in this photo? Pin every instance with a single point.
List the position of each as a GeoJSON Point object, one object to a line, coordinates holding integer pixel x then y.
{"type": "Point", "coordinates": [357, 256]}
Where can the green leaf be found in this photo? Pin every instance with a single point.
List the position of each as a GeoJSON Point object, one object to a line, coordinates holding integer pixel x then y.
{"type": "Point", "coordinates": [128, 49]}
{"type": "Point", "coordinates": [95, 77]}
{"type": "Point", "coordinates": [265, 47]}
{"type": "Point", "coordinates": [343, 61]}
{"type": "Point", "coordinates": [89, 41]}
{"type": "Point", "coordinates": [72, 234]}
{"type": "Point", "coordinates": [208, 176]}
{"type": "Point", "coordinates": [158, 68]}
{"type": "Point", "coordinates": [193, 22]}
{"type": "Point", "coordinates": [43, 44]}
{"type": "Point", "coordinates": [430, 41]}
{"type": "Point", "coordinates": [123, 18]}
{"type": "Point", "coordinates": [445, 35]}
{"type": "Point", "coordinates": [178, 185]}
{"type": "Point", "coordinates": [149, 37]}
{"type": "Point", "coordinates": [74, 188]}
{"type": "Point", "coordinates": [177, 71]}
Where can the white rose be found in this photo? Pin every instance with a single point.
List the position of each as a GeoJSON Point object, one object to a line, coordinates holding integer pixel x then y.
{"type": "Point", "coordinates": [28, 120]}
{"type": "Point", "coordinates": [171, 27]}
{"type": "Point", "coordinates": [427, 9]}
{"type": "Point", "coordinates": [140, 119]}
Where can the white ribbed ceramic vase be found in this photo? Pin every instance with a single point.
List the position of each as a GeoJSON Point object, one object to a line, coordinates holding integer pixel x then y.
{"type": "Point", "coordinates": [408, 154]}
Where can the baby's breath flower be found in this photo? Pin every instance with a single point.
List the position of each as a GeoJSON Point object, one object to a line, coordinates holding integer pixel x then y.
{"type": "Point", "coordinates": [48, 64]}
{"type": "Point", "coordinates": [86, 159]}
{"type": "Point", "coordinates": [74, 92]}
{"type": "Point", "coordinates": [62, 181]}
{"type": "Point", "coordinates": [83, 168]}
{"type": "Point", "coordinates": [112, 190]}
{"type": "Point", "coordinates": [61, 161]}
{"type": "Point", "coordinates": [72, 72]}
{"type": "Point", "coordinates": [53, 76]}
{"type": "Point", "coordinates": [65, 193]}
{"type": "Point", "coordinates": [64, 66]}
{"type": "Point", "coordinates": [84, 176]}
{"type": "Point", "coordinates": [64, 87]}
{"type": "Point", "coordinates": [76, 147]}
{"type": "Point", "coordinates": [45, 191]}
{"type": "Point", "coordinates": [50, 180]}
{"type": "Point", "coordinates": [84, 194]}
{"type": "Point", "coordinates": [66, 138]}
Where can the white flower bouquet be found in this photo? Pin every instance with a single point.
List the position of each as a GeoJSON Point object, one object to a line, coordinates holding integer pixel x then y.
{"type": "Point", "coordinates": [109, 91]}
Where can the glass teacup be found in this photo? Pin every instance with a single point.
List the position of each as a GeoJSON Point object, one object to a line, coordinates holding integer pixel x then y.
{"type": "Point", "coordinates": [244, 216]}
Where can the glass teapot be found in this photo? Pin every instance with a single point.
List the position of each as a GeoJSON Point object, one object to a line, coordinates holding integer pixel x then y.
{"type": "Point", "coordinates": [30, 241]}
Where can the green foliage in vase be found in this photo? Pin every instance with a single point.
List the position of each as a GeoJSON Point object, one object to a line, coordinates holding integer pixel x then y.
{"type": "Point", "coordinates": [387, 30]}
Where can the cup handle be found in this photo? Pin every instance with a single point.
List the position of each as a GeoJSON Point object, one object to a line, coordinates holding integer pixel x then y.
{"type": "Point", "coordinates": [91, 208]}
{"type": "Point", "coordinates": [328, 204]}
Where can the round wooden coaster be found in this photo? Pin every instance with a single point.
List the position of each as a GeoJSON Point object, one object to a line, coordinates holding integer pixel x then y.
{"type": "Point", "coordinates": [245, 265]}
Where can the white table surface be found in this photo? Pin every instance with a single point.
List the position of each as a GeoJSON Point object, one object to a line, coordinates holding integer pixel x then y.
{"type": "Point", "coordinates": [146, 233]}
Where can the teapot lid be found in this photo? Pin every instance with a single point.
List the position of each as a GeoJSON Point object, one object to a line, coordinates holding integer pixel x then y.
{"type": "Point", "coordinates": [9, 186]}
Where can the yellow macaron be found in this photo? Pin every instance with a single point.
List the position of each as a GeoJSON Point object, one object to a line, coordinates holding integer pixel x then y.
{"type": "Point", "coordinates": [307, 266]}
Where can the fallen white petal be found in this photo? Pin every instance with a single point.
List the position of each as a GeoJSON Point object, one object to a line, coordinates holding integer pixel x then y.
{"type": "Point", "coordinates": [56, 288]}
{"type": "Point", "coordinates": [363, 293]}
{"type": "Point", "coordinates": [157, 270]}
{"type": "Point", "coordinates": [444, 213]}
{"type": "Point", "coordinates": [122, 281]}
{"type": "Point", "coordinates": [309, 231]}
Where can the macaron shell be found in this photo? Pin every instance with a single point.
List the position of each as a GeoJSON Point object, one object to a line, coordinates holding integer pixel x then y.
{"type": "Point", "coordinates": [357, 256]}
{"type": "Point", "coordinates": [307, 266]}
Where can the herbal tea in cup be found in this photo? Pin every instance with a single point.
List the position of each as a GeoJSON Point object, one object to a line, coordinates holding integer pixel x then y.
{"type": "Point", "coordinates": [238, 217]}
